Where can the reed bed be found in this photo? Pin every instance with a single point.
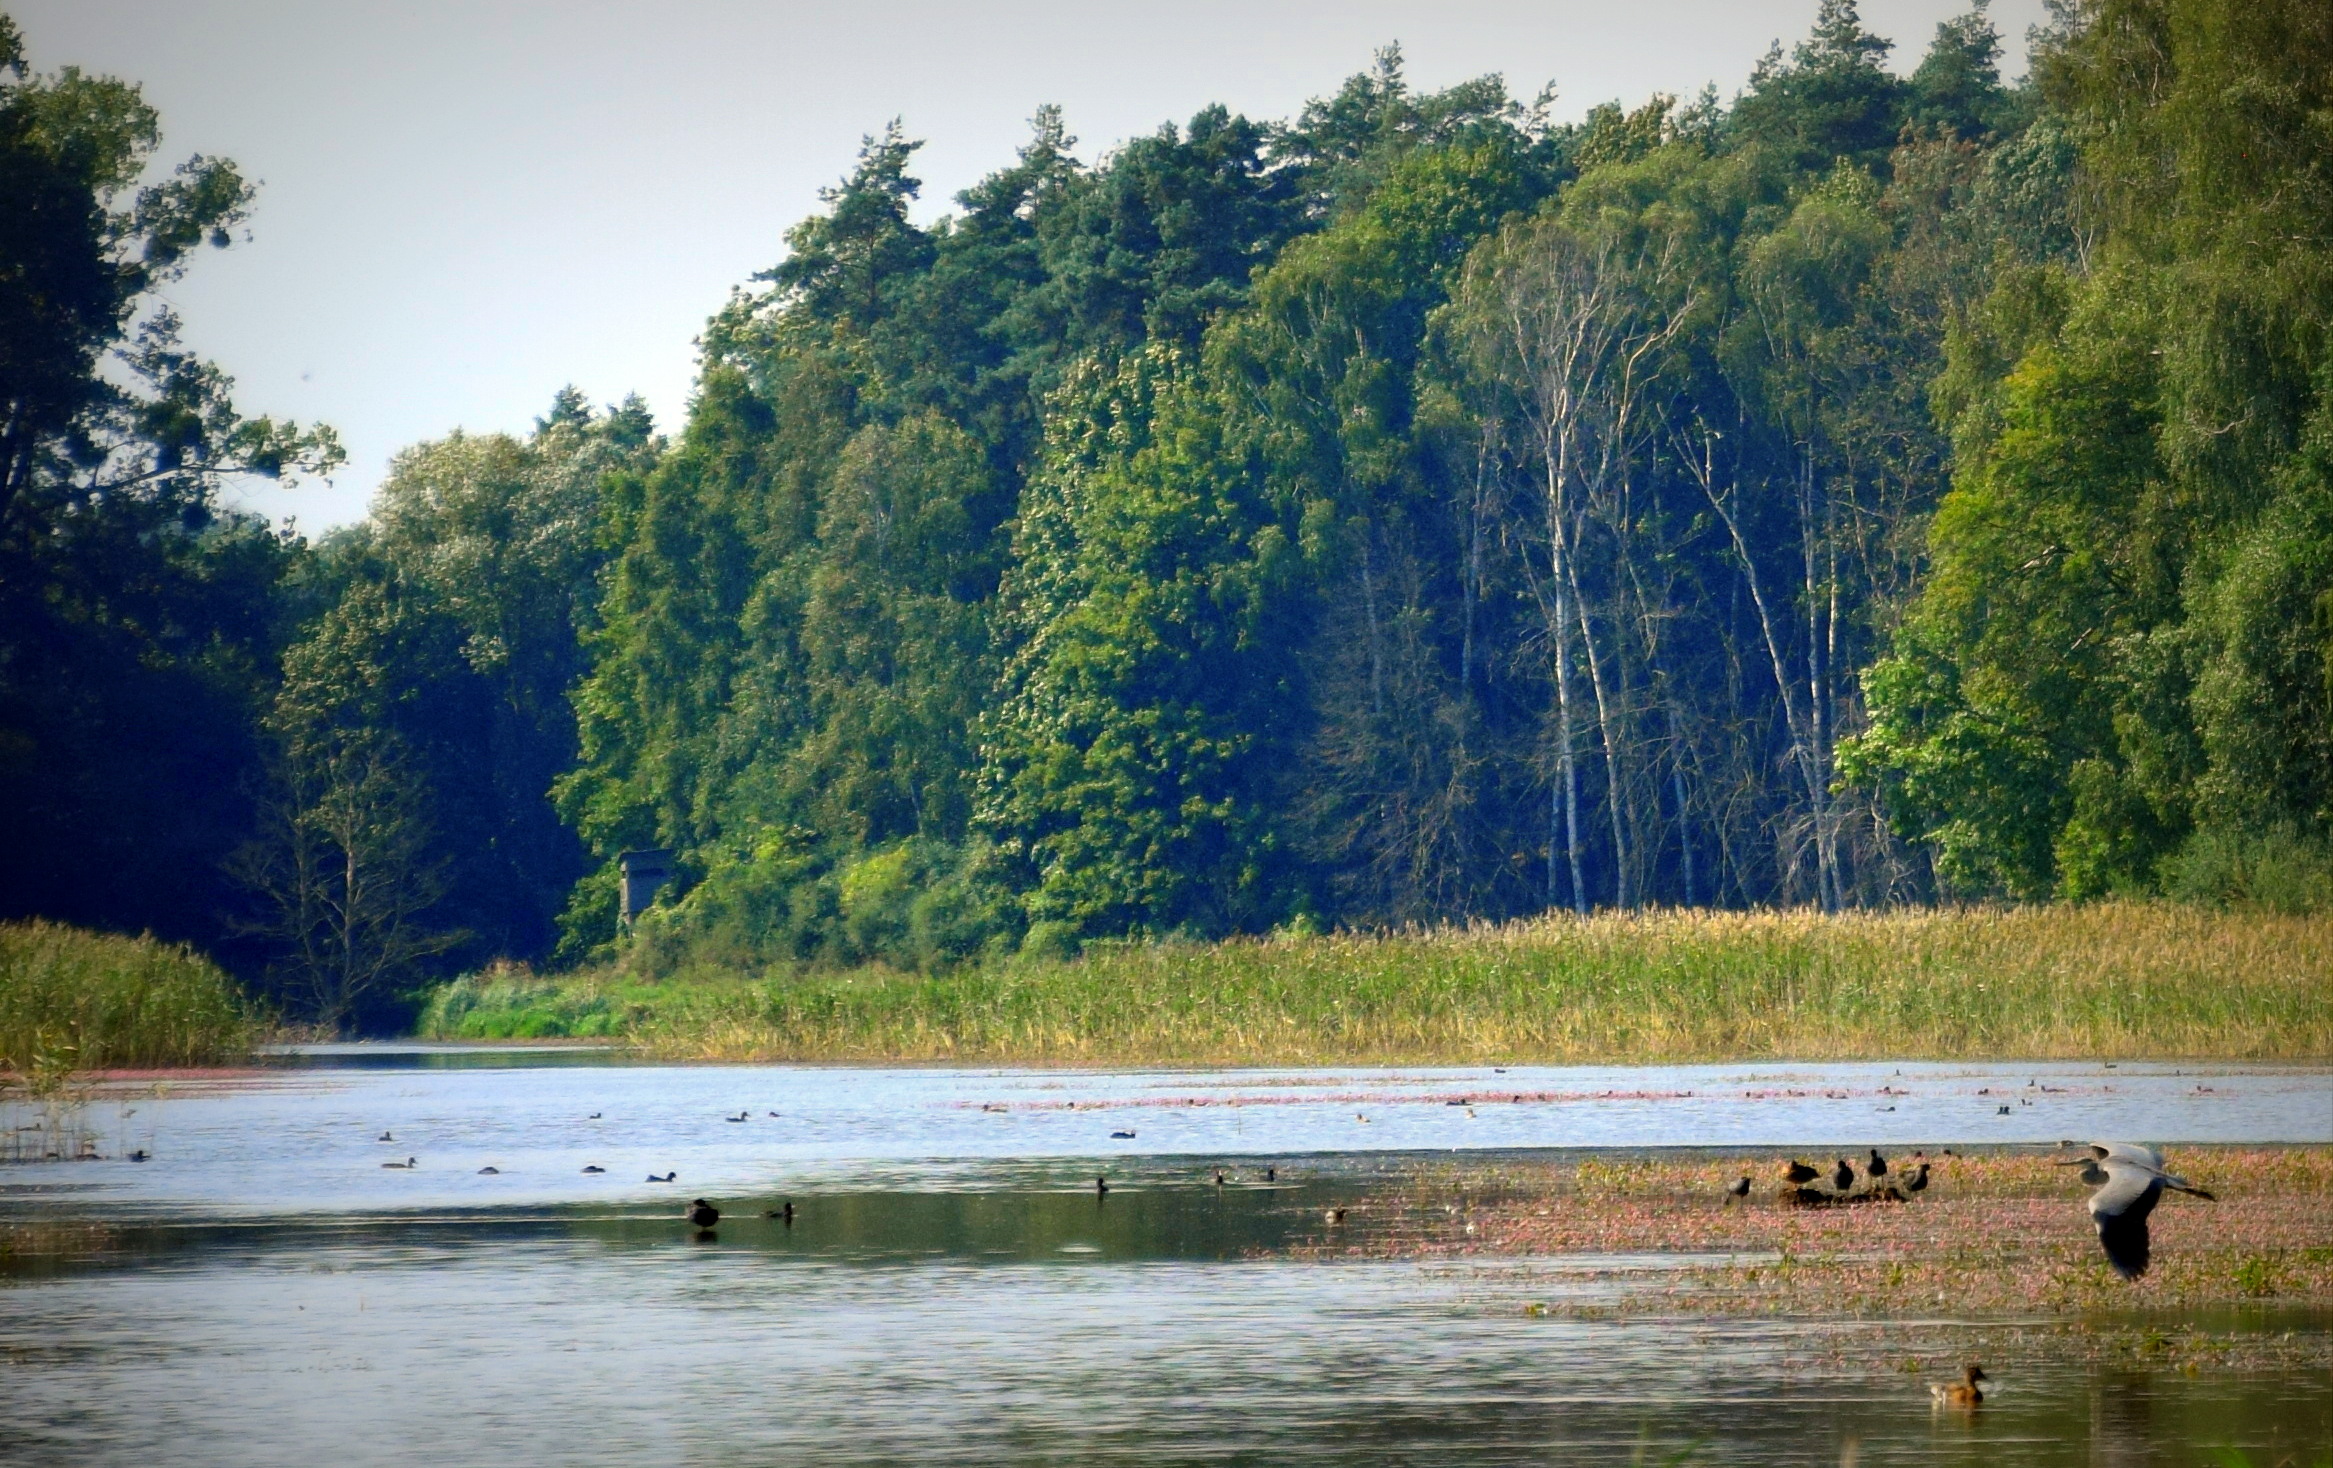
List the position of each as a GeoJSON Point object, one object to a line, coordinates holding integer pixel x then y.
{"type": "Point", "coordinates": [2103, 981]}
{"type": "Point", "coordinates": [73, 1000]}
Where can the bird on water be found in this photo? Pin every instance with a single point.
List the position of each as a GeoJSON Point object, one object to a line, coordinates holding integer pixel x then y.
{"type": "Point", "coordinates": [1101, 1186]}
{"type": "Point", "coordinates": [2128, 1180]}
{"type": "Point", "coordinates": [1964, 1392]}
{"type": "Point", "coordinates": [785, 1214]}
{"type": "Point", "coordinates": [407, 1165]}
{"type": "Point", "coordinates": [702, 1214]}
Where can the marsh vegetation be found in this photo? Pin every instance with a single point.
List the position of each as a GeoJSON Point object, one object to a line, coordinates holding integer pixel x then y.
{"type": "Point", "coordinates": [2110, 980]}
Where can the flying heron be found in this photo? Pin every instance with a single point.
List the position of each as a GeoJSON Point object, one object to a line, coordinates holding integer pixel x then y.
{"type": "Point", "coordinates": [2129, 1180]}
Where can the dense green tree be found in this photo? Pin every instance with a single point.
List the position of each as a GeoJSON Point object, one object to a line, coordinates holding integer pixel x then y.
{"type": "Point", "coordinates": [2128, 567]}
{"type": "Point", "coordinates": [139, 620]}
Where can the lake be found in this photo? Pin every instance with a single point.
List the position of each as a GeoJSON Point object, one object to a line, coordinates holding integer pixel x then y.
{"type": "Point", "coordinates": [952, 1287]}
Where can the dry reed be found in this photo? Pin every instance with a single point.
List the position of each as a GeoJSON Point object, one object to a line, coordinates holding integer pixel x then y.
{"type": "Point", "coordinates": [2116, 980]}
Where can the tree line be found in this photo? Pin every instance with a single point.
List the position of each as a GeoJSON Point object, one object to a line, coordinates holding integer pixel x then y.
{"type": "Point", "coordinates": [1876, 489]}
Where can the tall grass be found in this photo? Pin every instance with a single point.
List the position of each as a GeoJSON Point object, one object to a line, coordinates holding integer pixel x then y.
{"type": "Point", "coordinates": [76, 1000]}
{"type": "Point", "coordinates": [2113, 980]}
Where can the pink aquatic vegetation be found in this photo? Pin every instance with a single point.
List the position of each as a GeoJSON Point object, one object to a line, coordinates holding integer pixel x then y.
{"type": "Point", "coordinates": [1339, 1098]}
{"type": "Point", "coordinates": [1992, 1234]}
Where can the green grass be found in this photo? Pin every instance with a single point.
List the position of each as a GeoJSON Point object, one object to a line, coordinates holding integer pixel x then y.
{"type": "Point", "coordinates": [2111, 980]}
{"type": "Point", "coordinates": [76, 1000]}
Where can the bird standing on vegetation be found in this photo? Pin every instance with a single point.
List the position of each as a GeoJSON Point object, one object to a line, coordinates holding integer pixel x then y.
{"type": "Point", "coordinates": [1843, 1176]}
{"type": "Point", "coordinates": [1738, 1188]}
{"type": "Point", "coordinates": [1878, 1167]}
{"type": "Point", "coordinates": [1918, 1181]}
{"type": "Point", "coordinates": [2129, 1180]}
{"type": "Point", "coordinates": [1964, 1392]}
{"type": "Point", "coordinates": [1798, 1173]}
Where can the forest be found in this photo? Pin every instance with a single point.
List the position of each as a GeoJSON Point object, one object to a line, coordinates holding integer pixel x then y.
{"type": "Point", "coordinates": [1891, 486]}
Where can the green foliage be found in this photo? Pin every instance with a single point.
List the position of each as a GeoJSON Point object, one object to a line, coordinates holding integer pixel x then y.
{"type": "Point", "coordinates": [138, 623]}
{"type": "Point", "coordinates": [1876, 488]}
{"type": "Point", "coordinates": [71, 999]}
{"type": "Point", "coordinates": [2114, 679]}
{"type": "Point", "coordinates": [1137, 729]}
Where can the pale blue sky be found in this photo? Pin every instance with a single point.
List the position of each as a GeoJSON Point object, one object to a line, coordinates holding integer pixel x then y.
{"type": "Point", "coordinates": [466, 205]}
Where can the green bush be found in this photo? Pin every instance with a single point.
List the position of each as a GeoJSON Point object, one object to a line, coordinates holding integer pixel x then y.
{"type": "Point", "coordinates": [73, 1000]}
{"type": "Point", "coordinates": [2279, 871]}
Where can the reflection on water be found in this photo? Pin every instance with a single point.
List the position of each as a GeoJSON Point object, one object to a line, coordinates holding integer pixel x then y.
{"type": "Point", "coordinates": [976, 1329]}
{"type": "Point", "coordinates": [952, 1287]}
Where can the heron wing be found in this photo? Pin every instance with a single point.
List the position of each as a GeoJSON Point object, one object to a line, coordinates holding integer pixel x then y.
{"type": "Point", "coordinates": [2120, 1210]}
{"type": "Point", "coordinates": [2144, 1156]}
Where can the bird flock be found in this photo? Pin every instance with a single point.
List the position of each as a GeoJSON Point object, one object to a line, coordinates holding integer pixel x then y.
{"type": "Point", "coordinates": [2126, 1180]}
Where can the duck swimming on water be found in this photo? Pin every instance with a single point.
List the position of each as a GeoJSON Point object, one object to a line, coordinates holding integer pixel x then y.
{"type": "Point", "coordinates": [1964, 1392]}
{"type": "Point", "coordinates": [702, 1214]}
{"type": "Point", "coordinates": [408, 1164]}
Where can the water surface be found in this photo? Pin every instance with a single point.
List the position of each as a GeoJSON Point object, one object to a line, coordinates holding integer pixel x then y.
{"type": "Point", "coordinates": [953, 1289]}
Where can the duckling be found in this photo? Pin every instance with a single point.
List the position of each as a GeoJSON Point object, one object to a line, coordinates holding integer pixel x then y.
{"type": "Point", "coordinates": [407, 1164]}
{"type": "Point", "coordinates": [588, 1167]}
{"type": "Point", "coordinates": [1964, 1392]}
{"type": "Point", "coordinates": [1738, 1188]}
{"type": "Point", "coordinates": [702, 1214]}
{"type": "Point", "coordinates": [786, 1213]}
{"type": "Point", "coordinates": [1799, 1174]}
{"type": "Point", "coordinates": [1842, 1176]}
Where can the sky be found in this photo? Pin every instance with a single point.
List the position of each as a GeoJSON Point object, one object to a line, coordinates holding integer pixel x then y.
{"type": "Point", "coordinates": [467, 204]}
